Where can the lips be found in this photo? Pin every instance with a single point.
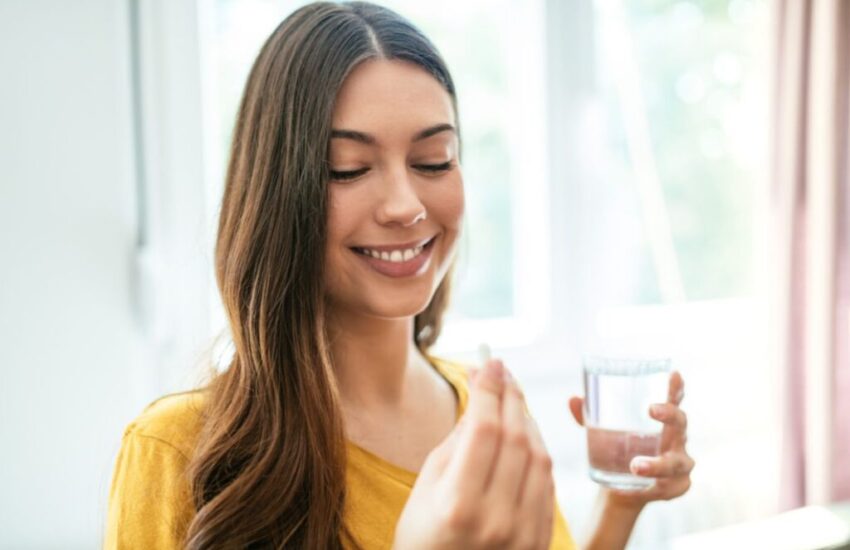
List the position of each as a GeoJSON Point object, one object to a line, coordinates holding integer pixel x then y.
{"type": "Point", "coordinates": [408, 268]}
{"type": "Point", "coordinates": [391, 247]}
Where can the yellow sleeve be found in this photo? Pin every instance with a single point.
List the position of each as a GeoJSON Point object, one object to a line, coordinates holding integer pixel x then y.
{"type": "Point", "coordinates": [562, 539]}
{"type": "Point", "coordinates": [149, 500]}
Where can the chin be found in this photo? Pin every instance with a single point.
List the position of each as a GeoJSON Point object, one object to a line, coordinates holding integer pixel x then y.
{"type": "Point", "coordinates": [397, 309]}
{"type": "Point", "coordinates": [386, 298]}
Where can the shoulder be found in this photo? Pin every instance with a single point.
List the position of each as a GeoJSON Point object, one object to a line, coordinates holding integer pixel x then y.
{"type": "Point", "coordinates": [456, 371]}
{"type": "Point", "coordinates": [173, 420]}
{"type": "Point", "coordinates": [150, 499]}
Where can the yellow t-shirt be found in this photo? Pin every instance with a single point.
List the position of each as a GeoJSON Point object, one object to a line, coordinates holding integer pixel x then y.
{"type": "Point", "coordinates": [150, 505]}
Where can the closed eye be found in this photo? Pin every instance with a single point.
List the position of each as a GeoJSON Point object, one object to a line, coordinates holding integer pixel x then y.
{"type": "Point", "coordinates": [434, 167]}
{"type": "Point", "coordinates": [351, 174]}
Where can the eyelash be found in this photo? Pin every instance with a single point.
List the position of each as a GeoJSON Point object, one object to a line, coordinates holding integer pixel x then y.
{"type": "Point", "coordinates": [433, 168]}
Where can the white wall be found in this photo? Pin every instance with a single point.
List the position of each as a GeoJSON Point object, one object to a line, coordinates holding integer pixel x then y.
{"type": "Point", "coordinates": [71, 359]}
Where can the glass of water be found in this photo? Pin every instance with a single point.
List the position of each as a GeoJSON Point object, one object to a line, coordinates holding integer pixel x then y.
{"type": "Point", "coordinates": [618, 392]}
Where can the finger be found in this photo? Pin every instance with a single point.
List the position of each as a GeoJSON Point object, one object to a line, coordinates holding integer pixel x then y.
{"type": "Point", "coordinates": [674, 464]}
{"type": "Point", "coordinates": [671, 415]}
{"type": "Point", "coordinates": [440, 456]}
{"type": "Point", "coordinates": [674, 436]}
{"type": "Point", "coordinates": [548, 518]}
{"type": "Point", "coordinates": [513, 454]}
{"type": "Point", "coordinates": [472, 463]}
{"type": "Point", "coordinates": [577, 408]}
{"type": "Point", "coordinates": [676, 390]}
{"type": "Point", "coordinates": [539, 509]}
{"type": "Point", "coordinates": [540, 517]}
{"type": "Point", "coordinates": [677, 487]}
{"type": "Point", "coordinates": [538, 451]}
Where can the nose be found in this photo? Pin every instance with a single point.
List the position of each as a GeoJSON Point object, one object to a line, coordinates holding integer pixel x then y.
{"type": "Point", "coordinates": [401, 204]}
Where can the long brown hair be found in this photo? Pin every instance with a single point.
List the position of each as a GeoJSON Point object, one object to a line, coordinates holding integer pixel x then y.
{"type": "Point", "coordinates": [269, 466]}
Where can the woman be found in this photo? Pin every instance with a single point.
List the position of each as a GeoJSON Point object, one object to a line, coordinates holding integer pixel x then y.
{"type": "Point", "coordinates": [333, 426]}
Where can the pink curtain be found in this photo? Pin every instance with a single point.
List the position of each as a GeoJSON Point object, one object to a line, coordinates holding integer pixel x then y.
{"type": "Point", "coordinates": [811, 218]}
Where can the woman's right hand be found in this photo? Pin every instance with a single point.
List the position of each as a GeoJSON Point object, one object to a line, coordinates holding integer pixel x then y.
{"type": "Point", "coordinates": [489, 483]}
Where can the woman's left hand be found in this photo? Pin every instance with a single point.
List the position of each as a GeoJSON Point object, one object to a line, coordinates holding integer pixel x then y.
{"type": "Point", "coordinates": [672, 467]}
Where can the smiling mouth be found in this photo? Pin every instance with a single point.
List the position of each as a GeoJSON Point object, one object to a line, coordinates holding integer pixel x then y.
{"type": "Point", "coordinates": [398, 255]}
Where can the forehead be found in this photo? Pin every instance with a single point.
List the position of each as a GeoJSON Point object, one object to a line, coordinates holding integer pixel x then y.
{"type": "Point", "coordinates": [377, 92]}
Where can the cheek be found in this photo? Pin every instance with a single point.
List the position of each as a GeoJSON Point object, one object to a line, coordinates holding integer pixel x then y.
{"type": "Point", "coordinates": [336, 279]}
{"type": "Point", "coordinates": [345, 211]}
{"type": "Point", "coordinates": [342, 218]}
{"type": "Point", "coordinates": [333, 234]}
{"type": "Point", "coordinates": [447, 206]}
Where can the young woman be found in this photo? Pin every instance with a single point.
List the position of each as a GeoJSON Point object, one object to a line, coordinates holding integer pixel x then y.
{"type": "Point", "coordinates": [333, 427]}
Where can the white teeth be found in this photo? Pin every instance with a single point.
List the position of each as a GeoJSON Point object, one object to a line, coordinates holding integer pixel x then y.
{"type": "Point", "coordinates": [396, 255]}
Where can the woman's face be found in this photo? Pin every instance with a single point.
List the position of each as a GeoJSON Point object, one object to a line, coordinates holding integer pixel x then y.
{"type": "Point", "coordinates": [396, 190]}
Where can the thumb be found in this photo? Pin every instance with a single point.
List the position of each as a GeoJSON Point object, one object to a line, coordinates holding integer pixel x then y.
{"type": "Point", "coordinates": [577, 408]}
{"type": "Point", "coordinates": [439, 457]}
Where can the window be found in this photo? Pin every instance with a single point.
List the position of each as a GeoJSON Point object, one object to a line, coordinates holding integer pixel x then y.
{"type": "Point", "coordinates": [680, 123]}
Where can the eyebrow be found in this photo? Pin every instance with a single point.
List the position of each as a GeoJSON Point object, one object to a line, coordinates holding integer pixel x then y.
{"type": "Point", "coordinates": [369, 139]}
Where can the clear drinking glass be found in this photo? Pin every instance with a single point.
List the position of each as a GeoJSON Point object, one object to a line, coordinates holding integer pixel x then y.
{"type": "Point", "coordinates": [617, 395]}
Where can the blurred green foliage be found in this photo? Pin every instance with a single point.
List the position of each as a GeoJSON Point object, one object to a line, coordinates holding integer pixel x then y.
{"type": "Point", "coordinates": [697, 63]}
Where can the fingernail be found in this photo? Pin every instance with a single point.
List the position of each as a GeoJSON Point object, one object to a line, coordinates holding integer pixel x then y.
{"type": "Point", "coordinates": [495, 368]}
{"type": "Point", "coordinates": [640, 465]}
{"type": "Point", "coordinates": [657, 410]}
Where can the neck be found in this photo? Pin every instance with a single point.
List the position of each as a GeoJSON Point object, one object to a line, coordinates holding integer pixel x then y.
{"type": "Point", "coordinates": [374, 359]}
